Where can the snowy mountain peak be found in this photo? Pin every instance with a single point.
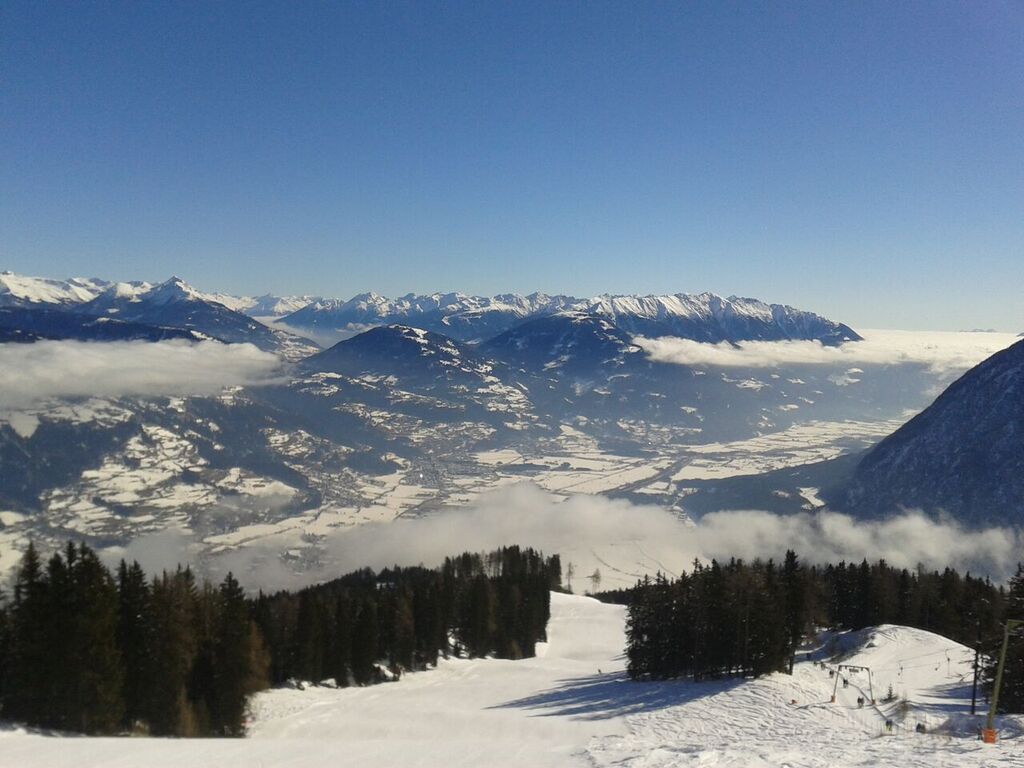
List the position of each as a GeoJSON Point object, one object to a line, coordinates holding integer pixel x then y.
{"type": "Point", "coordinates": [174, 289]}
{"type": "Point", "coordinates": [130, 291]}
{"type": "Point", "coordinates": [25, 291]}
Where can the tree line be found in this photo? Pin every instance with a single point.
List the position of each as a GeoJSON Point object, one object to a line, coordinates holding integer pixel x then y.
{"type": "Point", "coordinates": [365, 625]}
{"type": "Point", "coordinates": [86, 649]}
{"type": "Point", "coordinates": [748, 618]}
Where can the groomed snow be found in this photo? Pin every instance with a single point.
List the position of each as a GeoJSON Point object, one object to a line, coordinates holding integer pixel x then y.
{"type": "Point", "coordinates": [572, 705]}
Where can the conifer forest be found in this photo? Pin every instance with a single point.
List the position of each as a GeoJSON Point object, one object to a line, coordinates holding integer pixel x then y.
{"type": "Point", "coordinates": [749, 618]}
{"type": "Point", "coordinates": [88, 650]}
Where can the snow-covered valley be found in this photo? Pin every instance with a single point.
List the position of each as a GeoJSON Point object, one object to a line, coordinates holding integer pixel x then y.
{"type": "Point", "coordinates": [574, 705]}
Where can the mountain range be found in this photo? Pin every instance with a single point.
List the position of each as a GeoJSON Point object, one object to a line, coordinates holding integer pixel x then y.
{"type": "Point", "coordinates": [701, 317]}
{"type": "Point", "coordinates": [23, 291]}
{"type": "Point", "coordinates": [473, 319]}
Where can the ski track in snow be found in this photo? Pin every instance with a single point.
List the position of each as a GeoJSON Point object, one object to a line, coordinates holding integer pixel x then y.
{"type": "Point", "coordinates": [573, 705]}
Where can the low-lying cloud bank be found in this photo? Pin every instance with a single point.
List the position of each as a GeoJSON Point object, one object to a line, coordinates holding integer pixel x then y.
{"type": "Point", "coordinates": [635, 539]}
{"type": "Point", "coordinates": [943, 352]}
{"type": "Point", "coordinates": [33, 373]}
{"type": "Point", "coordinates": [621, 540]}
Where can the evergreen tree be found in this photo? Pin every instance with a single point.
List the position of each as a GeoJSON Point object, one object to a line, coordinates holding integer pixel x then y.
{"type": "Point", "coordinates": [169, 710]}
{"type": "Point", "coordinates": [234, 676]}
{"type": "Point", "coordinates": [310, 638]}
{"type": "Point", "coordinates": [364, 643]}
{"type": "Point", "coordinates": [95, 672]}
{"type": "Point", "coordinates": [403, 647]}
{"type": "Point", "coordinates": [29, 666]}
{"type": "Point", "coordinates": [135, 639]}
{"type": "Point", "coordinates": [1011, 694]}
{"type": "Point", "coordinates": [340, 665]}
{"type": "Point", "coordinates": [5, 650]}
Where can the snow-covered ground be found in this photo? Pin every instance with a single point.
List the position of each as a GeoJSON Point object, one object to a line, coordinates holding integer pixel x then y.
{"type": "Point", "coordinates": [572, 705]}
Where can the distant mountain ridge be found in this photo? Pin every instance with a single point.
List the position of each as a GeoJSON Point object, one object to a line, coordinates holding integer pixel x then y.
{"type": "Point", "coordinates": [25, 291]}
{"type": "Point", "coordinates": [702, 317]}
{"type": "Point", "coordinates": [91, 309]}
{"type": "Point", "coordinates": [963, 455]}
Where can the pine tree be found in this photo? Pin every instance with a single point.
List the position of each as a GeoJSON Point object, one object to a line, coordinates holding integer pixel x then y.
{"type": "Point", "coordinates": [95, 675]}
{"type": "Point", "coordinates": [233, 661]}
{"type": "Point", "coordinates": [174, 649]}
{"type": "Point", "coordinates": [795, 599]}
{"type": "Point", "coordinates": [26, 680]}
{"type": "Point", "coordinates": [404, 623]}
{"type": "Point", "coordinates": [63, 668]}
{"type": "Point", "coordinates": [340, 664]}
{"type": "Point", "coordinates": [1011, 695]}
{"type": "Point", "coordinates": [364, 643]}
{"type": "Point", "coordinates": [311, 638]}
{"type": "Point", "coordinates": [135, 639]}
{"type": "Point", "coordinates": [5, 650]}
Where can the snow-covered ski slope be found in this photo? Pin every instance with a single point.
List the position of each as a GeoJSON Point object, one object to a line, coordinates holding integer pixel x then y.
{"type": "Point", "coordinates": [572, 705]}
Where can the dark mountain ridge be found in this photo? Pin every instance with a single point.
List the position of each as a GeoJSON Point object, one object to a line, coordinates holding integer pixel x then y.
{"type": "Point", "coordinates": [963, 455]}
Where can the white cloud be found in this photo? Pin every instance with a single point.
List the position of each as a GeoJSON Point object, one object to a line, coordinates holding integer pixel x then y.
{"type": "Point", "coordinates": [625, 541]}
{"type": "Point", "coordinates": [943, 352]}
{"type": "Point", "coordinates": [904, 540]}
{"type": "Point", "coordinates": [31, 374]}
{"type": "Point", "coordinates": [155, 552]}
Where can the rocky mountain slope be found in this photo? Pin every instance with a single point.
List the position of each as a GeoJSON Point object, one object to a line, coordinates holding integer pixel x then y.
{"type": "Point", "coordinates": [27, 324]}
{"type": "Point", "coordinates": [964, 455]}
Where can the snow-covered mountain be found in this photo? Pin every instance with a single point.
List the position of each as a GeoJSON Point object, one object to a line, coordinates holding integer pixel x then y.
{"type": "Point", "coordinates": [175, 303]}
{"type": "Point", "coordinates": [439, 389]}
{"type": "Point", "coordinates": [269, 305]}
{"type": "Point", "coordinates": [963, 455]}
{"type": "Point", "coordinates": [565, 342]}
{"type": "Point", "coordinates": [457, 315]}
{"type": "Point", "coordinates": [394, 350]}
{"type": "Point", "coordinates": [24, 291]}
{"type": "Point", "coordinates": [703, 317]}
{"type": "Point", "coordinates": [708, 317]}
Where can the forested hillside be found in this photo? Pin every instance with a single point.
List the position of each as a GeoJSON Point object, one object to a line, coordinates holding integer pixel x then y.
{"type": "Point", "coordinates": [748, 619]}
{"type": "Point", "coordinates": [84, 649]}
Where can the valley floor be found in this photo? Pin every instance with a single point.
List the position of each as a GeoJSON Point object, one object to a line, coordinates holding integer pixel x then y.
{"type": "Point", "coordinates": [572, 705]}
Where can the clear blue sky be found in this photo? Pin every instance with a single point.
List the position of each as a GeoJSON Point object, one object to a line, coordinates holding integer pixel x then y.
{"type": "Point", "coordinates": [865, 160]}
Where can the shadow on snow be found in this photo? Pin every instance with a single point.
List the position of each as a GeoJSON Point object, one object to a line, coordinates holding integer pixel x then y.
{"type": "Point", "coordinates": [606, 696]}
